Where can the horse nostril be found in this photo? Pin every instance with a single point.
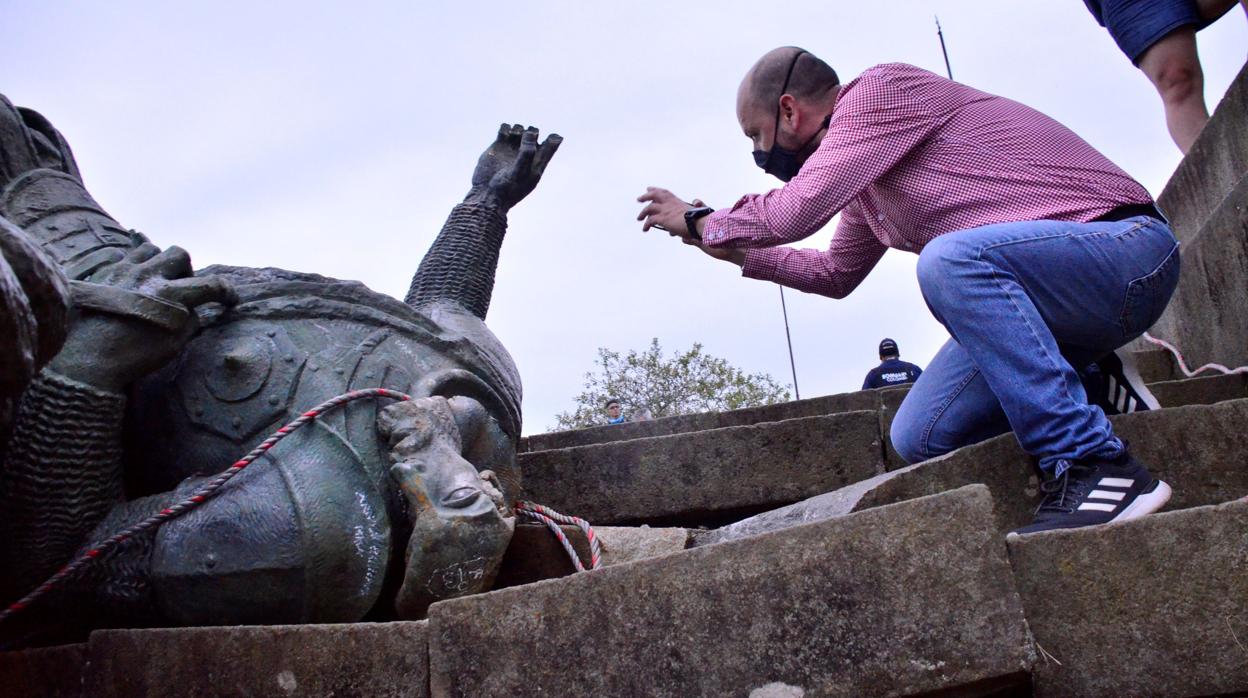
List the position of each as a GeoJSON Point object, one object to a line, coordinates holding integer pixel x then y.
{"type": "Point", "coordinates": [461, 497]}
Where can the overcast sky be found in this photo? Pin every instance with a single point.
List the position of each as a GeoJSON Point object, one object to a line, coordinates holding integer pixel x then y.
{"type": "Point", "coordinates": [335, 138]}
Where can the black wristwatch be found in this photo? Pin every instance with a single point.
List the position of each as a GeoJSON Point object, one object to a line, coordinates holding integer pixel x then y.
{"type": "Point", "coordinates": [691, 220]}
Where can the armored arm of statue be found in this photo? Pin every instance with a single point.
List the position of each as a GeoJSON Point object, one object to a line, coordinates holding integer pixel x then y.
{"type": "Point", "coordinates": [34, 308]}
{"type": "Point", "coordinates": [62, 470]}
{"type": "Point", "coordinates": [461, 263]}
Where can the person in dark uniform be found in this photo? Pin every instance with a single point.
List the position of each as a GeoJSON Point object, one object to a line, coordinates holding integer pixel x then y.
{"type": "Point", "coordinates": [892, 370]}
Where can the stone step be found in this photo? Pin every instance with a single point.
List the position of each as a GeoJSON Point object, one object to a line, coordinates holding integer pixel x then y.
{"type": "Point", "coordinates": [355, 659]}
{"type": "Point", "coordinates": [703, 421]}
{"type": "Point", "coordinates": [1205, 390]}
{"type": "Point", "coordinates": [536, 554]}
{"type": "Point", "coordinates": [713, 477]}
{"type": "Point", "coordinates": [1206, 201]}
{"type": "Point", "coordinates": [900, 600]}
{"type": "Point", "coordinates": [48, 672]}
{"type": "Point", "coordinates": [1213, 167]}
{"type": "Point", "coordinates": [1155, 366]}
{"type": "Point", "coordinates": [1197, 449]}
{"type": "Point", "coordinates": [706, 477]}
{"type": "Point", "coordinates": [1153, 607]}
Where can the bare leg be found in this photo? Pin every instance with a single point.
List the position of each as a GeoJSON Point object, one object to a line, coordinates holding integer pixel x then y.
{"type": "Point", "coordinates": [1174, 69]}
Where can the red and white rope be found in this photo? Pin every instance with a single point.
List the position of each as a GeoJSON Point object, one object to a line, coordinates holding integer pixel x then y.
{"type": "Point", "coordinates": [1178, 356]}
{"type": "Point", "coordinates": [198, 497]}
{"type": "Point", "coordinates": [552, 519]}
{"type": "Point", "coordinates": [211, 488]}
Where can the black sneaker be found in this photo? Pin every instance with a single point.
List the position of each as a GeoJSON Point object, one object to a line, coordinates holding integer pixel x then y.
{"type": "Point", "coordinates": [1120, 390]}
{"type": "Point", "coordinates": [1091, 493]}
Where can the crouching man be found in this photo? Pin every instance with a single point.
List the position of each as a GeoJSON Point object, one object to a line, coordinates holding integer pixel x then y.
{"type": "Point", "coordinates": [1037, 253]}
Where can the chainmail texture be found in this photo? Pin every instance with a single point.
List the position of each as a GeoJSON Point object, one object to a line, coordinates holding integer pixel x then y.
{"type": "Point", "coordinates": [60, 476]}
{"type": "Point", "coordinates": [460, 264]}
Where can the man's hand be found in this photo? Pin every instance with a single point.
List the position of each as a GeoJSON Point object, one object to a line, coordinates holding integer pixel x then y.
{"type": "Point", "coordinates": [665, 211]}
{"type": "Point", "coordinates": [511, 167]}
{"type": "Point", "coordinates": [110, 350]}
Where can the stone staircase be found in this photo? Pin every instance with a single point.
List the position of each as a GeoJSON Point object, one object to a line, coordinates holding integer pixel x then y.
{"type": "Point", "coordinates": [787, 551]}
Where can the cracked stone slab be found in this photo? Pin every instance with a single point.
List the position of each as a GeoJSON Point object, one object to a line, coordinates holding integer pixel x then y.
{"type": "Point", "coordinates": [898, 600]}
{"type": "Point", "coordinates": [706, 477]}
{"type": "Point", "coordinates": [353, 659]}
{"type": "Point", "coordinates": [1196, 449]}
{"type": "Point", "coordinates": [1151, 607]}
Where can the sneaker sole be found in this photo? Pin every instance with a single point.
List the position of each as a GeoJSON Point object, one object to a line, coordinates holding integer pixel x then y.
{"type": "Point", "coordinates": [1146, 503]}
{"type": "Point", "coordinates": [1135, 384]}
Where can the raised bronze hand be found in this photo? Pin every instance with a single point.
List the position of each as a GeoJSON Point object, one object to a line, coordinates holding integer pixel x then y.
{"type": "Point", "coordinates": [512, 166]}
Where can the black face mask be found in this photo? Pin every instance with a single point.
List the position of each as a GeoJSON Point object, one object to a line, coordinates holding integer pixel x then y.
{"type": "Point", "coordinates": [779, 162]}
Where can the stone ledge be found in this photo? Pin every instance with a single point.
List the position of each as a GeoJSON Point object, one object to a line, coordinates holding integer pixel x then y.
{"type": "Point", "coordinates": [709, 476]}
{"type": "Point", "coordinates": [48, 672]}
{"type": "Point", "coordinates": [535, 554]}
{"type": "Point", "coordinates": [1215, 163]}
{"type": "Point", "coordinates": [899, 600]}
{"type": "Point", "coordinates": [1198, 450]}
{"type": "Point", "coordinates": [1205, 390]}
{"type": "Point", "coordinates": [357, 659]}
{"type": "Point", "coordinates": [667, 426]}
{"type": "Point", "coordinates": [1153, 607]}
{"type": "Point", "coordinates": [1205, 319]}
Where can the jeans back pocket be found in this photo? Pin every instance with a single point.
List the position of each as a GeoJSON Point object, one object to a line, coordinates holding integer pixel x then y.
{"type": "Point", "coordinates": [1148, 296]}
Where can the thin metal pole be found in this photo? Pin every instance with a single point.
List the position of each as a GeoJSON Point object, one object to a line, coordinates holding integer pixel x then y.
{"type": "Point", "coordinates": [793, 366]}
{"type": "Point", "coordinates": [943, 50]}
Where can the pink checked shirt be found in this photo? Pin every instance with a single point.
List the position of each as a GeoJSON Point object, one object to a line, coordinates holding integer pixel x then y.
{"type": "Point", "coordinates": [909, 156]}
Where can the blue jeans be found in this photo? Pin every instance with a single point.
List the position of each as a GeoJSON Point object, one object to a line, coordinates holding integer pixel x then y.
{"type": "Point", "coordinates": [1027, 304]}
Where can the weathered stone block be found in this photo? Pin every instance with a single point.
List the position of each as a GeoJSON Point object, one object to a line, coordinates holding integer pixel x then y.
{"type": "Point", "coordinates": [708, 476]}
{"type": "Point", "coordinates": [1206, 318]}
{"type": "Point", "coordinates": [1214, 165]}
{"type": "Point", "coordinates": [895, 601]}
{"type": "Point", "coordinates": [359, 659]}
{"type": "Point", "coordinates": [536, 554]}
{"type": "Point", "coordinates": [49, 672]}
{"type": "Point", "coordinates": [1153, 607]}
{"type": "Point", "coordinates": [1155, 365]}
{"type": "Point", "coordinates": [890, 401]}
{"type": "Point", "coordinates": [810, 407]}
{"type": "Point", "coordinates": [1205, 390]}
{"type": "Point", "coordinates": [1198, 450]}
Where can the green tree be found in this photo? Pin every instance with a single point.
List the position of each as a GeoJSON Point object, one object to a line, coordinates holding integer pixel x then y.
{"type": "Point", "coordinates": [686, 383]}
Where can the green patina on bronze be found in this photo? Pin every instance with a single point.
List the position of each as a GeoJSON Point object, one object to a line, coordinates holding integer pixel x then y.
{"type": "Point", "coordinates": [372, 511]}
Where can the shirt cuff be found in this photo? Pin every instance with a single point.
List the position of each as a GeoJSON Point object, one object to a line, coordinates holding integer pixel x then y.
{"type": "Point", "coordinates": [714, 230]}
{"type": "Point", "coordinates": [761, 264]}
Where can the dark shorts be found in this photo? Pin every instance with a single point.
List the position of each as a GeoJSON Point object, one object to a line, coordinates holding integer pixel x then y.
{"type": "Point", "coordinates": [1138, 24]}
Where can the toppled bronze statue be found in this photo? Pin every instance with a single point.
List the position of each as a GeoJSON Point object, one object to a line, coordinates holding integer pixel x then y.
{"type": "Point", "coordinates": [167, 376]}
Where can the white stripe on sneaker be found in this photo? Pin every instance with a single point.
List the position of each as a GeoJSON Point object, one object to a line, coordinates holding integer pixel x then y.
{"type": "Point", "coordinates": [1104, 494]}
{"type": "Point", "coordinates": [1115, 482]}
{"type": "Point", "coordinates": [1095, 506]}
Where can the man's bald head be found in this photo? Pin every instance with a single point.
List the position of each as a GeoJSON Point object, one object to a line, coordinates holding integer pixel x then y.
{"type": "Point", "coordinates": [811, 79]}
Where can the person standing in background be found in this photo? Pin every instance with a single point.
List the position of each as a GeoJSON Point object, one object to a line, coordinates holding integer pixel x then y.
{"type": "Point", "coordinates": [892, 370]}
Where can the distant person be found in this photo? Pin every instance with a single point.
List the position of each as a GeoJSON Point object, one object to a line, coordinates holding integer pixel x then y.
{"type": "Point", "coordinates": [643, 416]}
{"type": "Point", "coordinates": [892, 370]}
{"type": "Point", "coordinates": [1159, 36]}
{"type": "Point", "coordinates": [1038, 254]}
{"type": "Point", "coordinates": [614, 415]}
